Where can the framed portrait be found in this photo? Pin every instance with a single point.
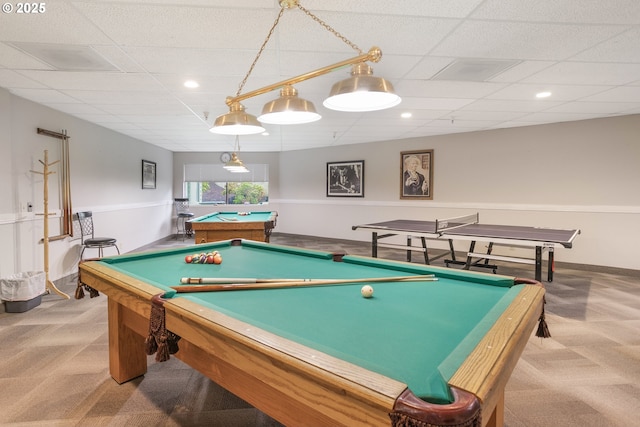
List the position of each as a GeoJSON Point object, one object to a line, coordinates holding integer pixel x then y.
{"type": "Point", "coordinates": [148, 174]}
{"type": "Point", "coordinates": [345, 179]}
{"type": "Point", "coordinates": [416, 175]}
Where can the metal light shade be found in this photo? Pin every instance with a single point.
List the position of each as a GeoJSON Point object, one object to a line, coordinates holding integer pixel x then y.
{"type": "Point", "coordinates": [235, 165]}
{"type": "Point", "coordinates": [362, 92]}
{"type": "Point", "coordinates": [236, 122]}
{"type": "Point", "coordinates": [289, 109]}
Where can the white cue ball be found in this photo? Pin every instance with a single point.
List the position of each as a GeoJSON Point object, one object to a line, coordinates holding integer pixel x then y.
{"type": "Point", "coordinates": [366, 291]}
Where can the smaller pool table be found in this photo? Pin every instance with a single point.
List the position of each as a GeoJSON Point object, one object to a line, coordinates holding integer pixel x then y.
{"type": "Point", "coordinates": [234, 225]}
{"type": "Point", "coordinates": [417, 353]}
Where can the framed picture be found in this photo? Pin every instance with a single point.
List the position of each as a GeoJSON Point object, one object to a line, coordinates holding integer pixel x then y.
{"type": "Point", "coordinates": [416, 175]}
{"type": "Point", "coordinates": [345, 179]}
{"type": "Point", "coordinates": [148, 174]}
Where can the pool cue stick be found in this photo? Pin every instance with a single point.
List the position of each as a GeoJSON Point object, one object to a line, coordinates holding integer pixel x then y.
{"type": "Point", "coordinates": [243, 280]}
{"type": "Point", "coordinates": [299, 283]}
{"type": "Point", "coordinates": [228, 280]}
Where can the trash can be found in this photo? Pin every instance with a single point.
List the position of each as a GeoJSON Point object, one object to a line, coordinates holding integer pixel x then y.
{"type": "Point", "coordinates": [22, 291]}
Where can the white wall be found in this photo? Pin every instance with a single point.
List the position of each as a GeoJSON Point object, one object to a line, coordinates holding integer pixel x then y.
{"type": "Point", "coordinates": [105, 169]}
{"type": "Point", "coordinates": [570, 175]}
{"type": "Point", "coordinates": [582, 175]}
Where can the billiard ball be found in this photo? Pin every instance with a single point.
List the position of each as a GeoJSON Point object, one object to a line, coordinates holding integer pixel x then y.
{"type": "Point", "coordinates": [367, 291]}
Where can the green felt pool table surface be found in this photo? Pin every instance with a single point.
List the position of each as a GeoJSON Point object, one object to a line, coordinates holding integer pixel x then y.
{"type": "Point", "coordinates": [236, 216]}
{"type": "Point", "coordinates": [417, 333]}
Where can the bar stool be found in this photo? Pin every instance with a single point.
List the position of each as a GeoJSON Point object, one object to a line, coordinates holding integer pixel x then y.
{"type": "Point", "coordinates": [183, 215]}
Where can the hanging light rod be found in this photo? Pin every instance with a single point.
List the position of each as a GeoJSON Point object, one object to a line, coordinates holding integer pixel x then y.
{"type": "Point", "coordinates": [361, 92]}
{"type": "Point", "coordinates": [374, 55]}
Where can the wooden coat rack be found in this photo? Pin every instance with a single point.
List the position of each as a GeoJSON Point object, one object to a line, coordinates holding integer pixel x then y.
{"type": "Point", "coordinates": [50, 286]}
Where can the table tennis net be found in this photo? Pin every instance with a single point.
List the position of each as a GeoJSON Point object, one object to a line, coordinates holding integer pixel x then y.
{"type": "Point", "coordinates": [442, 225]}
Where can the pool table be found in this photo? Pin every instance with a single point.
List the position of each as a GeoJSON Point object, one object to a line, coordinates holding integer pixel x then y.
{"type": "Point", "coordinates": [425, 352]}
{"type": "Point", "coordinates": [230, 225]}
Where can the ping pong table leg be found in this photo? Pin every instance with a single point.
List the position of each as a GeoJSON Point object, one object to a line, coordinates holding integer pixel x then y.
{"type": "Point", "coordinates": [489, 249]}
{"type": "Point", "coordinates": [374, 245]}
{"type": "Point", "coordinates": [472, 246]}
{"type": "Point", "coordinates": [452, 250]}
{"type": "Point", "coordinates": [426, 251]}
{"type": "Point", "coordinates": [538, 263]}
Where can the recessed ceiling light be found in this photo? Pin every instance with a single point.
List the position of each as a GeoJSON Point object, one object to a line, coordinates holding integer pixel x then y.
{"type": "Point", "coordinates": [543, 94]}
{"type": "Point", "coordinates": [191, 84]}
{"type": "Point", "coordinates": [406, 115]}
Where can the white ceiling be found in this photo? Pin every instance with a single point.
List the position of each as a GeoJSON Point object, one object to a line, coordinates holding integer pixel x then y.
{"type": "Point", "coordinates": [586, 52]}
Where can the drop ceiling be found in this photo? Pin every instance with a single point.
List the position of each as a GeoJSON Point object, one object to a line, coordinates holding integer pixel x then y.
{"type": "Point", "coordinates": [459, 65]}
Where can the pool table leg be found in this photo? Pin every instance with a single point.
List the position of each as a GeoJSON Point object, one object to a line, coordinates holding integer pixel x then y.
{"type": "Point", "coordinates": [497, 417]}
{"type": "Point", "coordinates": [127, 358]}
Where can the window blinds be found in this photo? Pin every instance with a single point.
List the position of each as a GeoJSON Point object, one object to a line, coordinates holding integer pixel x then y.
{"type": "Point", "coordinates": [217, 173]}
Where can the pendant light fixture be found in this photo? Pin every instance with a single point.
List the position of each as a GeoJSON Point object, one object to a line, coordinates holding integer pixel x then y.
{"type": "Point", "coordinates": [235, 165]}
{"type": "Point", "coordinates": [289, 109]}
{"type": "Point", "coordinates": [361, 92]}
{"type": "Point", "coordinates": [237, 122]}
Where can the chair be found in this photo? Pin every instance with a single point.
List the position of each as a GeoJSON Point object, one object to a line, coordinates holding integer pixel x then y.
{"type": "Point", "coordinates": [88, 240]}
{"type": "Point", "coordinates": [183, 215]}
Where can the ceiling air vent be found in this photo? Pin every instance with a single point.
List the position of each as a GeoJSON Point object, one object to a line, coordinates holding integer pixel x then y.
{"type": "Point", "coordinates": [66, 57]}
{"type": "Point", "coordinates": [474, 70]}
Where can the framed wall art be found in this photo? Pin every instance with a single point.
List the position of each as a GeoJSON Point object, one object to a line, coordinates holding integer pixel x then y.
{"type": "Point", "coordinates": [345, 179]}
{"type": "Point", "coordinates": [416, 175]}
{"type": "Point", "coordinates": [148, 174]}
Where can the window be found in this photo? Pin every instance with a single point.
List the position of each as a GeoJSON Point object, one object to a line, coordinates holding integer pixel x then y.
{"type": "Point", "coordinates": [212, 184]}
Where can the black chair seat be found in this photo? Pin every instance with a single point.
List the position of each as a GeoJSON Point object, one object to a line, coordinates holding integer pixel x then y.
{"type": "Point", "coordinates": [100, 241]}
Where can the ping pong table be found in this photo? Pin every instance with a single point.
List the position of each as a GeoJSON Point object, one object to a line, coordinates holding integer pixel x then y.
{"type": "Point", "coordinates": [468, 228]}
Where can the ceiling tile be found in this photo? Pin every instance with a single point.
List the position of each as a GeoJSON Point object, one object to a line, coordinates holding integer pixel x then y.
{"type": "Point", "coordinates": [587, 73]}
{"type": "Point", "coordinates": [525, 40]}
